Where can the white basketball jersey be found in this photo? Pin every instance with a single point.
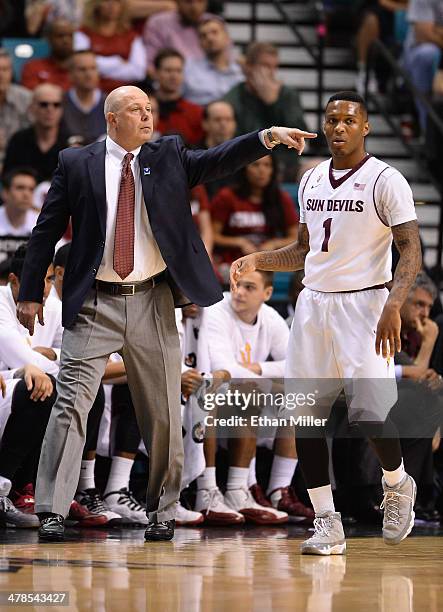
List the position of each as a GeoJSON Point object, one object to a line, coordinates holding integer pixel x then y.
{"type": "Point", "coordinates": [349, 219]}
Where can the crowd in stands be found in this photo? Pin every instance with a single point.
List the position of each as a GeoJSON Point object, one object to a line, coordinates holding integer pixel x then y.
{"type": "Point", "coordinates": [412, 30]}
{"type": "Point", "coordinates": [201, 88]}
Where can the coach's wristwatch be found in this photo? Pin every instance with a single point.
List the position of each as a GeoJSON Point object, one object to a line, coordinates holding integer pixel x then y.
{"type": "Point", "coordinates": [270, 137]}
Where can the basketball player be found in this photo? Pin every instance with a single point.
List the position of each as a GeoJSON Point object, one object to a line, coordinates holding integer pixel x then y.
{"type": "Point", "coordinates": [346, 323]}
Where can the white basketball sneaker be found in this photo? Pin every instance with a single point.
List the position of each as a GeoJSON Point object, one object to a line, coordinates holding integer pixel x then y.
{"type": "Point", "coordinates": [210, 503]}
{"type": "Point", "coordinates": [328, 538]}
{"type": "Point", "coordinates": [187, 518]}
{"type": "Point", "coordinates": [398, 505]}
{"type": "Point", "coordinates": [93, 501]}
{"type": "Point", "coordinates": [123, 503]}
{"type": "Point", "coordinates": [10, 515]}
{"type": "Point", "coordinates": [241, 500]}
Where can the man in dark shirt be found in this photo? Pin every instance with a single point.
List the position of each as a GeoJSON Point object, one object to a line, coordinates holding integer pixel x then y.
{"type": "Point", "coordinates": [262, 99]}
{"type": "Point", "coordinates": [39, 145]}
{"type": "Point", "coordinates": [219, 125]}
{"type": "Point", "coordinates": [83, 104]}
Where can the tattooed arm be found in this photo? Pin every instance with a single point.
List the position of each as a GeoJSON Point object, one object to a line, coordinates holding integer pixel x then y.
{"type": "Point", "coordinates": [287, 259]}
{"type": "Point", "coordinates": [407, 241]}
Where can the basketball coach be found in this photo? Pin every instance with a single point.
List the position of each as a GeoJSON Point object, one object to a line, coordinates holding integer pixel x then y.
{"type": "Point", "coordinates": [135, 254]}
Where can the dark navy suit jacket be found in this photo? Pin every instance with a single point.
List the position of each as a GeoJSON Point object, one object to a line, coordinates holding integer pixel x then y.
{"type": "Point", "coordinates": [78, 192]}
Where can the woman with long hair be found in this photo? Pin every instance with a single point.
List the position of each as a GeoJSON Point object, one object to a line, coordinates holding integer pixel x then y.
{"type": "Point", "coordinates": [107, 31]}
{"type": "Point", "coordinates": [255, 214]}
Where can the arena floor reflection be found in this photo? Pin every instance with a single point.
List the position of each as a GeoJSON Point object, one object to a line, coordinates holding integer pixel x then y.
{"type": "Point", "coordinates": [213, 570]}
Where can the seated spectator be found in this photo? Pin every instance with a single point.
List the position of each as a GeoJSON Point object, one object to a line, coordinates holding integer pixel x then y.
{"type": "Point", "coordinates": [209, 78]}
{"type": "Point", "coordinates": [418, 332]}
{"type": "Point", "coordinates": [218, 126]}
{"type": "Point", "coordinates": [17, 347]}
{"type": "Point", "coordinates": [262, 100]}
{"type": "Point", "coordinates": [14, 103]}
{"type": "Point", "coordinates": [22, 428]}
{"type": "Point", "coordinates": [255, 215]}
{"type": "Point", "coordinates": [83, 104]}
{"type": "Point", "coordinates": [175, 29]}
{"type": "Point", "coordinates": [419, 411]}
{"type": "Point", "coordinates": [377, 22]}
{"type": "Point", "coordinates": [60, 261]}
{"type": "Point", "coordinates": [176, 115]}
{"type": "Point", "coordinates": [17, 218]}
{"type": "Point", "coordinates": [52, 69]}
{"type": "Point", "coordinates": [106, 31]}
{"type": "Point", "coordinates": [247, 338]}
{"type": "Point", "coordinates": [40, 12]}
{"type": "Point", "coordinates": [39, 145]}
{"type": "Point", "coordinates": [423, 45]}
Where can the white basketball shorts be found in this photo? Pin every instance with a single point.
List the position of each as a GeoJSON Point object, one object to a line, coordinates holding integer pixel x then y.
{"type": "Point", "coordinates": [332, 340]}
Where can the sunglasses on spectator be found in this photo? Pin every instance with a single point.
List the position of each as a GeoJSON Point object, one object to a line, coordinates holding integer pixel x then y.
{"type": "Point", "coordinates": [45, 104]}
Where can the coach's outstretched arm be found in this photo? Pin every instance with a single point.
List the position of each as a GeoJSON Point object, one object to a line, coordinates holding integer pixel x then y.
{"type": "Point", "coordinates": [407, 240]}
{"type": "Point", "coordinates": [287, 259]}
{"type": "Point", "coordinates": [205, 165]}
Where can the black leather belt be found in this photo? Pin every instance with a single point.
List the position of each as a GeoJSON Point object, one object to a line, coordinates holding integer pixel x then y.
{"type": "Point", "coordinates": [364, 289]}
{"type": "Point", "coordinates": [127, 289]}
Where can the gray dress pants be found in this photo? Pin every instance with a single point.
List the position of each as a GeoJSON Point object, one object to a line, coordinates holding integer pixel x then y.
{"type": "Point", "coordinates": [142, 328]}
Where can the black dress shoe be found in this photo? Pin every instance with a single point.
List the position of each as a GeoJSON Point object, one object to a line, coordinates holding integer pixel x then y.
{"type": "Point", "coordinates": [52, 527]}
{"type": "Point", "coordinates": [156, 532]}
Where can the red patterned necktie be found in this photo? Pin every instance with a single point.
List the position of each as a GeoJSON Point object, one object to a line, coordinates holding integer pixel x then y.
{"type": "Point", "coordinates": [124, 225]}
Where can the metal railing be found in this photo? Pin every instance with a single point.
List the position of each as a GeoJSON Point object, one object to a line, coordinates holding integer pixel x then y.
{"type": "Point", "coordinates": [316, 52]}
{"type": "Point", "coordinates": [377, 50]}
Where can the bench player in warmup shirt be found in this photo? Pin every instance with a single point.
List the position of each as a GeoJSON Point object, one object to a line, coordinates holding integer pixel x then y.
{"type": "Point", "coordinates": [248, 338]}
{"type": "Point", "coordinates": [346, 324]}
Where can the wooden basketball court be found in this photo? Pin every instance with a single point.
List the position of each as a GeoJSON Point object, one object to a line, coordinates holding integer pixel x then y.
{"type": "Point", "coordinates": [213, 570]}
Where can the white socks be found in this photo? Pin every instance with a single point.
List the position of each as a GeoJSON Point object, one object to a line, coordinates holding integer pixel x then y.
{"type": "Point", "coordinates": [282, 471]}
{"type": "Point", "coordinates": [237, 478]}
{"type": "Point", "coordinates": [396, 476]}
{"type": "Point", "coordinates": [5, 486]}
{"type": "Point", "coordinates": [252, 478]}
{"type": "Point", "coordinates": [207, 479]}
{"type": "Point", "coordinates": [119, 474]}
{"type": "Point", "coordinates": [86, 480]}
{"type": "Point", "coordinates": [321, 499]}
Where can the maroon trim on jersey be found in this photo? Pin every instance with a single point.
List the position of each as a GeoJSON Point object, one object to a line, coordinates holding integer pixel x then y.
{"type": "Point", "coordinates": [373, 197]}
{"type": "Point", "coordinates": [337, 182]}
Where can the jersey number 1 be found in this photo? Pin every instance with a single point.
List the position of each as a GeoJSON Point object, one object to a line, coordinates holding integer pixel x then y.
{"type": "Point", "coordinates": [327, 226]}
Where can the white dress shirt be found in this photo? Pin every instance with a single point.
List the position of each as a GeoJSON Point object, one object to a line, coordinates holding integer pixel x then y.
{"type": "Point", "coordinates": [148, 260]}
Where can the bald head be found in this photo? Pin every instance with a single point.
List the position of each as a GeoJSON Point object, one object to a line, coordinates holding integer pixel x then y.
{"type": "Point", "coordinates": [47, 90]}
{"type": "Point", "coordinates": [46, 107]}
{"type": "Point", "coordinates": [116, 97]}
{"type": "Point", "coordinates": [219, 122]}
{"type": "Point", "coordinates": [128, 116]}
